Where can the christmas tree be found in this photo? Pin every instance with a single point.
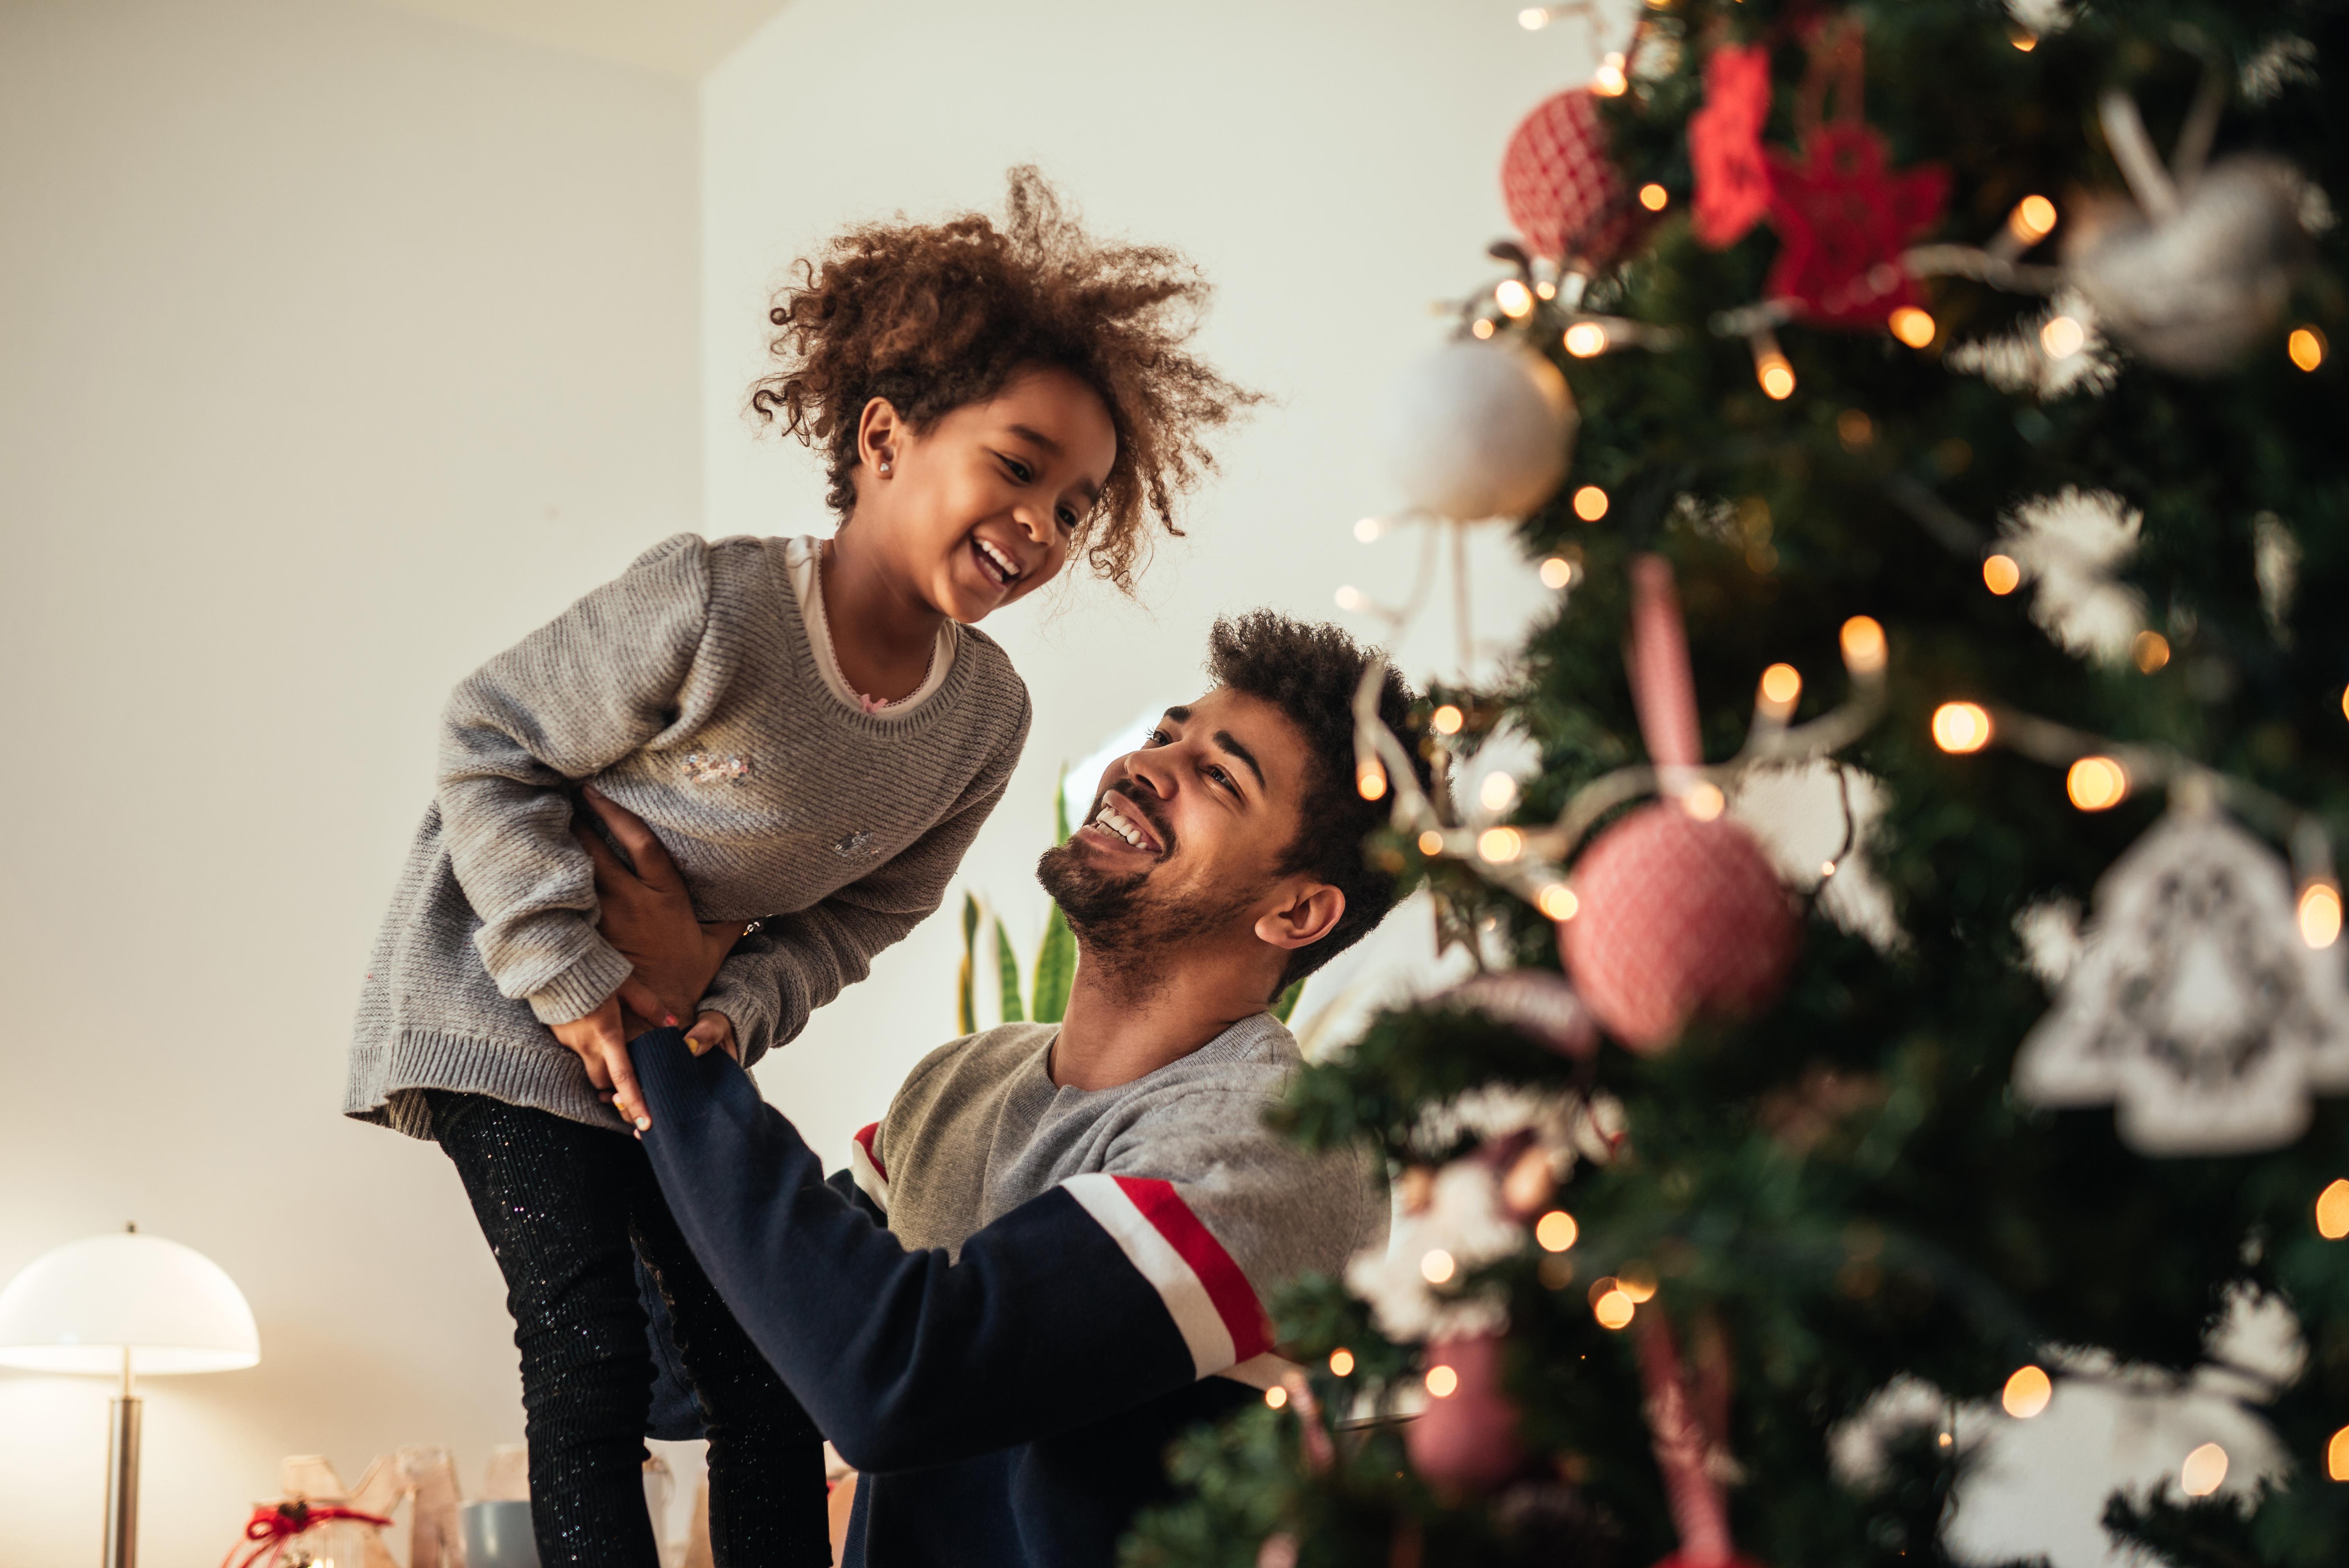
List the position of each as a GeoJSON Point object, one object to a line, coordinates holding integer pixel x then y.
{"type": "Point", "coordinates": [1926, 414]}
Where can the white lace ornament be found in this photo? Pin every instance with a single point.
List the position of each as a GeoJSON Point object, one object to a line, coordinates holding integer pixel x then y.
{"type": "Point", "coordinates": [2195, 1006]}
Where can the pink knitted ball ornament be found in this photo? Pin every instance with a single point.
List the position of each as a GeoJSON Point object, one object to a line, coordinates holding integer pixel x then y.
{"type": "Point", "coordinates": [1467, 1439]}
{"type": "Point", "coordinates": [1564, 194]}
{"type": "Point", "coordinates": [1675, 917]}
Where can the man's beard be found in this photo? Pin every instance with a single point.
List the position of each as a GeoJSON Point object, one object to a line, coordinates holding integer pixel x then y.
{"type": "Point", "coordinates": [1122, 926]}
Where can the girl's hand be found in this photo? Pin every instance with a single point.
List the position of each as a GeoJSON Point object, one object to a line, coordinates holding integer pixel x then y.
{"type": "Point", "coordinates": [599, 1041]}
{"type": "Point", "coordinates": [648, 914]}
{"type": "Point", "coordinates": [713, 1029]}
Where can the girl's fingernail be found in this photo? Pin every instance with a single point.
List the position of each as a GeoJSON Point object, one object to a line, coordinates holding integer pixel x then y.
{"type": "Point", "coordinates": [643, 1124]}
{"type": "Point", "coordinates": [670, 1020]}
{"type": "Point", "coordinates": [694, 1046]}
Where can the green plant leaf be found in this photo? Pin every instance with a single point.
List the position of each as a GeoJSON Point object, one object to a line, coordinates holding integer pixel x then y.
{"type": "Point", "coordinates": [966, 1002]}
{"type": "Point", "coordinates": [1285, 1004]}
{"type": "Point", "coordinates": [1061, 807]}
{"type": "Point", "coordinates": [1056, 968]}
{"type": "Point", "coordinates": [1007, 971]}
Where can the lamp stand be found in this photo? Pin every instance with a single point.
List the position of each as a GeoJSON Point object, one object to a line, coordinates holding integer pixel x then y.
{"type": "Point", "coordinates": [122, 1477]}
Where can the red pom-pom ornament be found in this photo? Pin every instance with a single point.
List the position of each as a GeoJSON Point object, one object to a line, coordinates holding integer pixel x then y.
{"type": "Point", "coordinates": [1467, 1439]}
{"type": "Point", "coordinates": [1675, 917]}
{"type": "Point", "coordinates": [1567, 198]}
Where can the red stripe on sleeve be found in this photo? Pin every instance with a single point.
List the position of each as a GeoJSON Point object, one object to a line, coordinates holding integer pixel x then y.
{"type": "Point", "coordinates": [1226, 1287]}
{"type": "Point", "coordinates": [865, 1136]}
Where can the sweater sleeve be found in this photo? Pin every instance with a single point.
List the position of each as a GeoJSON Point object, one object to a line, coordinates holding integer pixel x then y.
{"type": "Point", "coordinates": [592, 685]}
{"type": "Point", "coordinates": [1054, 1316]}
{"type": "Point", "coordinates": [778, 976]}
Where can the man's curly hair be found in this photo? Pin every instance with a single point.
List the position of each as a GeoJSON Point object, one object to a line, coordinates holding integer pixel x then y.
{"type": "Point", "coordinates": [1309, 671]}
{"type": "Point", "coordinates": [933, 317]}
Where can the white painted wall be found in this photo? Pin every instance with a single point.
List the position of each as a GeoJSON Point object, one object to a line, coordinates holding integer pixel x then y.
{"type": "Point", "coordinates": [338, 346]}
{"type": "Point", "coordinates": [1334, 169]}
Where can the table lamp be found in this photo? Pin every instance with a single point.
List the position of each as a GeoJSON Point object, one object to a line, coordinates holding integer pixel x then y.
{"type": "Point", "coordinates": [122, 1305]}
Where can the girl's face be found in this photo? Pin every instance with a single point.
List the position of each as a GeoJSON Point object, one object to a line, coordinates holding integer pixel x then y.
{"type": "Point", "coordinates": [980, 508]}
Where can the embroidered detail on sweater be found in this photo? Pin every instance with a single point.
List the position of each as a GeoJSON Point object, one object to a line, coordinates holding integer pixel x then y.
{"type": "Point", "coordinates": [716, 767]}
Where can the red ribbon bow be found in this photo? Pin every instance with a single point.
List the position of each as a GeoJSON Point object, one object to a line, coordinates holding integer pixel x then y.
{"type": "Point", "coordinates": [274, 1524]}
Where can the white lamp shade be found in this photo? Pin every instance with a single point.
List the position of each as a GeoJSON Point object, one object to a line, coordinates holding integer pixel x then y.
{"type": "Point", "coordinates": [77, 1308]}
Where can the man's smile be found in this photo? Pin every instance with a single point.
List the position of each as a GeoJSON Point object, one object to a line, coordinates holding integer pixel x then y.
{"type": "Point", "coordinates": [1122, 822]}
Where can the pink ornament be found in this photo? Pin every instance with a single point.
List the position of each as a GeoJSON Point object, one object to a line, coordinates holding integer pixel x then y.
{"type": "Point", "coordinates": [1467, 1439]}
{"type": "Point", "coordinates": [1677, 917]}
{"type": "Point", "coordinates": [1567, 198]}
{"type": "Point", "coordinates": [1732, 182]}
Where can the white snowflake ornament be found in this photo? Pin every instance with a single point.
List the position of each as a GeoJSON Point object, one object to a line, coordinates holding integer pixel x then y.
{"type": "Point", "coordinates": [2195, 1006]}
{"type": "Point", "coordinates": [2070, 545]}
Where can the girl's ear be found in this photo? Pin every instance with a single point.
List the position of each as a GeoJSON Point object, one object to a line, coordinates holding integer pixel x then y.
{"type": "Point", "coordinates": [880, 431]}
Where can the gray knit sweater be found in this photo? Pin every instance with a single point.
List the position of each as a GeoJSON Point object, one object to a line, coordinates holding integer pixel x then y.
{"type": "Point", "coordinates": [687, 691]}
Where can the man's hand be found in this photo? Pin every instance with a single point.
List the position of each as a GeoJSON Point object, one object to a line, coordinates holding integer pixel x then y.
{"type": "Point", "coordinates": [648, 914]}
{"type": "Point", "coordinates": [599, 1041]}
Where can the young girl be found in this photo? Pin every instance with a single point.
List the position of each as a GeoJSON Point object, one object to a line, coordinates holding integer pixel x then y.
{"type": "Point", "coordinates": [816, 733]}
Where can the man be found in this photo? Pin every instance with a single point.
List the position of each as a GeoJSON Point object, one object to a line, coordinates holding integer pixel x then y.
{"type": "Point", "coordinates": [1050, 1255]}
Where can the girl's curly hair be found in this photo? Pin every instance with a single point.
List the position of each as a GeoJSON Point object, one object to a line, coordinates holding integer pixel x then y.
{"type": "Point", "coordinates": [933, 317]}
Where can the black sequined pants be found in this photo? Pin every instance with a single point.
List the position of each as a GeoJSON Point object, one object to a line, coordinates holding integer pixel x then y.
{"type": "Point", "coordinates": [568, 1210]}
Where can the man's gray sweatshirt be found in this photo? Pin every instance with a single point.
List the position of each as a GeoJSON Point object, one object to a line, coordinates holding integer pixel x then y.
{"type": "Point", "coordinates": [686, 690]}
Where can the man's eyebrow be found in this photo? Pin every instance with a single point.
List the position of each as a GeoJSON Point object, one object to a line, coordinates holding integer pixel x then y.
{"type": "Point", "coordinates": [1223, 739]}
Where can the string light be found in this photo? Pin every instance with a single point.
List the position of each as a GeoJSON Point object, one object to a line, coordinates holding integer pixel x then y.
{"type": "Point", "coordinates": [2336, 1456]}
{"type": "Point", "coordinates": [1558, 901]}
{"type": "Point", "coordinates": [1369, 529]}
{"type": "Point", "coordinates": [1431, 843]}
{"type": "Point", "coordinates": [2032, 220]}
{"type": "Point", "coordinates": [1500, 845]}
{"type": "Point", "coordinates": [2320, 913]}
{"type": "Point", "coordinates": [2001, 574]}
{"type": "Point", "coordinates": [1481, 328]}
{"type": "Point", "coordinates": [1341, 1362]}
{"type": "Point", "coordinates": [1703, 801]}
{"type": "Point", "coordinates": [1498, 792]}
{"type": "Point", "coordinates": [1591, 503]}
{"type": "Point", "coordinates": [2344, 702]}
{"type": "Point", "coordinates": [1534, 19]}
{"type": "Point", "coordinates": [1447, 719]}
{"type": "Point", "coordinates": [1442, 1381]}
{"type": "Point", "coordinates": [2149, 651]}
{"type": "Point", "coordinates": [1516, 300]}
{"type": "Point", "coordinates": [2062, 337]}
{"type": "Point", "coordinates": [2027, 1393]}
{"type": "Point", "coordinates": [1275, 1396]}
{"type": "Point", "coordinates": [1586, 339]}
{"type": "Point", "coordinates": [1609, 80]}
{"type": "Point", "coordinates": [1780, 684]}
{"type": "Point", "coordinates": [1557, 571]}
{"type": "Point", "coordinates": [2333, 1211]}
{"type": "Point", "coordinates": [1547, 289]}
{"type": "Point", "coordinates": [2097, 784]}
{"type": "Point", "coordinates": [1555, 1230]}
{"type": "Point", "coordinates": [1437, 1266]}
{"type": "Point", "coordinates": [1639, 1282]}
{"type": "Point", "coordinates": [1370, 781]}
{"type": "Point", "coordinates": [1912, 326]}
{"type": "Point", "coordinates": [2022, 38]}
{"type": "Point", "coordinates": [1854, 428]}
{"type": "Point", "coordinates": [1827, 870]}
{"type": "Point", "coordinates": [1654, 197]}
{"type": "Point", "coordinates": [1960, 726]}
{"type": "Point", "coordinates": [1776, 376]}
{"type": "Point", "coordinates": [1352, 598]}
{"type": "Point", "coordinates": [2204, 1472]}
{"type": "Point", "coordinates": [1863, 645]}
{"type": "Point", "coordinates": [1614, 1310]}
{"type": "Point", "coordinates": [2306, 347]}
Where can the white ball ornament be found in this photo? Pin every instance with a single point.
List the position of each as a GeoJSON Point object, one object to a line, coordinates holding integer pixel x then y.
{"type": "Point", "coordinates": [1480, 428]}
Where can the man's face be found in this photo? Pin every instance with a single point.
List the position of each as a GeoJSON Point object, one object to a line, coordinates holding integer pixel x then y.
{"type": "Point", "coordinates": [1186, 836]}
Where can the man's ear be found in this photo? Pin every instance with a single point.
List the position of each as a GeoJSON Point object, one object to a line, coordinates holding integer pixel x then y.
{"type": "Point", "coordinates": [880, 431]}
{"type": "Point", "coordinates": [1305, 915]}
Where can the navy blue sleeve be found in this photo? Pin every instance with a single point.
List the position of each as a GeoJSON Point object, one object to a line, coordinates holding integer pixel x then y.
{"type": "Point", "coordinates": [903, 1358]}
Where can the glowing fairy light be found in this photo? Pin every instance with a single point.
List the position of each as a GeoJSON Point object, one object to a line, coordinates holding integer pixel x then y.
{"type": "Point", "coordinates": [1442, 1382]}
{"type": "Point", "coordinates": [2027, 1393]}
{"type": "Point", "coordinates": [2320, 914]}
{"type": "Point", "coordinates": [1862, 641]}
{"type": "Point", "coordinates": [1705, 802]}
{"type": "Point", "coordinates": [1558, 901]}
{"type": "Point", "coordinates": [1591, 503]}
{"type": "Point", "coordinates": [1614, 1310]}
{"type": "Point", "coordinates": [2333, 1211]}
{"type": "Point", "coordinates": [1341, 1362]}
{"type": "Point", "coordinates": [2062, 337]}
{"type": "Point", "coordinates": [2306, 347]}
{"type": "Point", "coordinates": [1516, 300]}
{"type": "Point", "coordinates": [1586, 339]}
{"type": "Point", "coordinates": [2204, 1472]}
{"type": "Point", "coordinates": [1776, 376]}
{"type": "Point", "coordinates": [2032, 220]}
{"type": "Point", "coordinates": [1275, 1396]}
{"type": "Point", "coordinates": [1960, 726]}
{"type": "Point", "coordinates": [1912, 326]}
{"type": "Point", "coordinates": [1498, 792]}
{"type": "Point", "coordinates": [2336, 1456]}
{"type": "Point", "coordinates": [1447, 719]}
{"type": "Point", "coordinates": [2149, 651]}
{"type": "Point", "coordinates": [1370, 781]}
{"type": "Point", "coordinates": [1431, 843]}
{"type": "Point", "coordinates": [1555, 1230]}
{"type": "Point", "coordinates": [1654, 197]}
{"type": "Point", "coordinates": [1369, 529]}
{"type": "Point", "coordinates": [1352, 599]}
{"type": "Point", "coordinates": [2001, 574]}
{"type": "Point", "coordinates": [1437, 1266]}
{"type": "Point", "coordinates": [1557, 571]}
{"type": "Point", "coordinates": [1609, 80]}
{"type": "Point", "coordinates": [1499, 846]}
{"type": "Point", "coordinates": [1639, 1282]}
{"type": "Point", "coordinates": [2097, 783]}
{"type": "Point", "coordinates": [1481, 328]}
{"type": "Point", "coordinates": [1780, 684]}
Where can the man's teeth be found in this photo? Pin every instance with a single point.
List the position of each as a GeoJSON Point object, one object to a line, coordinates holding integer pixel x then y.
{"type": "Point", "coordinates": [1002, 562]}
{"type": "Point", "coordinates": [1115, 821]}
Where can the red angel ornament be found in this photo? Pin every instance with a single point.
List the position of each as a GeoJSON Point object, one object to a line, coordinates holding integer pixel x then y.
{"type": "Point", "coordinates": [1732, 182]}
{"type": "Point", "coordinates": [1843, 220]}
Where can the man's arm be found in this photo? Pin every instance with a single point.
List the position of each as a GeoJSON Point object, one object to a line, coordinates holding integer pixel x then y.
{"type": "Point", "coordinates": [1099, 1296]}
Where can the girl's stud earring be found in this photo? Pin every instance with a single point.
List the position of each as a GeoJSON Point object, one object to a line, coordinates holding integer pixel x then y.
{"type": "Point", "coordinates": [885, 464]}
